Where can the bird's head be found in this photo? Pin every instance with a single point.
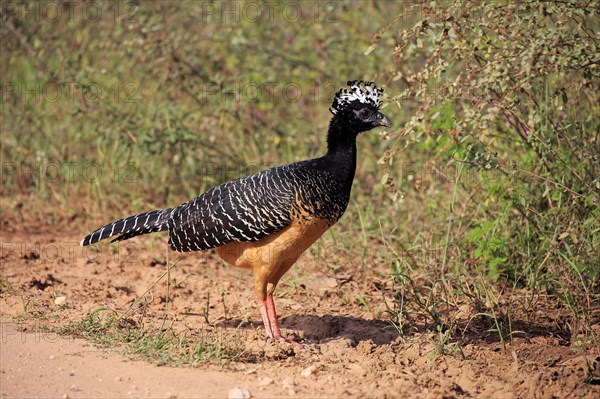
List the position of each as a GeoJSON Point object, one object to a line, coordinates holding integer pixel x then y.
{"type": "Point", "coordinates": [358, 106]}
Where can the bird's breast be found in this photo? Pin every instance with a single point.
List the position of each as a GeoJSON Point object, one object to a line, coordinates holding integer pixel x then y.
{"type": "Point", "coordinates": [277, 250]}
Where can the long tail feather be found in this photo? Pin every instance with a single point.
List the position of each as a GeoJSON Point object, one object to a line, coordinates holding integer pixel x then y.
{"type": "Point", "coordinates": [142, 223]}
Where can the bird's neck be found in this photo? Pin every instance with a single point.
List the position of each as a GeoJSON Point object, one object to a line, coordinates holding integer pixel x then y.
{"type": "Point", "coordinates": [341, 151]}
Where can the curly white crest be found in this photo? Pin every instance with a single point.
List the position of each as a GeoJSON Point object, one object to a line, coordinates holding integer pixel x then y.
{"type": "Point", "coordinates": [365, 92]}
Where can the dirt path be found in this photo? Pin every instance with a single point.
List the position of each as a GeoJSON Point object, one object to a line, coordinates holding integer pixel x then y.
{"type": "Point", "coordinates": [44, 365]}
{"type": "Point", "coordinates": [48, 282]}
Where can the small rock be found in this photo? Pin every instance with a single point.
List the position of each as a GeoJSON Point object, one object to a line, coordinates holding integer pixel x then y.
{"type": "Point", "coordinates": [238, 393]}
{"type": "Point", "coordinates": [321, 283]}
{"type": "Point", "coordinates": [72, 373]}
{"type": "Point", "coordinates": [65, 396]}
{"type": "Point", "coordinates": [291, 392]}
{"type": "Point", "coordinates": [343, 277]}
{"type": "Point", "coordinates": [265, 381]}
{"type": "Point", "coordinates": [60, 300]}
{"type": "Point", "coordinates": [307, 372]}
{"type": "Point", "coordinates": [288, 383]}
{"type": "Point", "coordinates": [118, 379]}
{"type": "Point", "coordinates": [51, 357]}
{"type": "Point", "coordinates": [73, 387]}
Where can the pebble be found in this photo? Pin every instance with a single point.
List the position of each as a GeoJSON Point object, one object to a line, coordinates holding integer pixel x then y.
{"type": "Point", "coordinates": [307, 372]}
{"type": "Point", "coordinates": [118, 379]}
{"type": "Point", "coordinates": [265, 381]}
{"type": "Point", "coordinates": [288, 383]}
{"type": "Point", "coordinates": [60, 300]}
{"type": "Point", "coordinates": [321, 283]}
{"type": "Point", "coordinates": [72, 373]}
{"type": "Point", "coordinates": [238, 393]}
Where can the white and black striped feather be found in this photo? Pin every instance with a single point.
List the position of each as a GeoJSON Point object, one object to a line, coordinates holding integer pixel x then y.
{"type": "Point", "coordinates": [246, 209]}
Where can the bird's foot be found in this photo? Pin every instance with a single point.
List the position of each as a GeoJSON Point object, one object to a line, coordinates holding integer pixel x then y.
{"type": "Point", "coordinates": [269, 316]}
{"type": "Point", "coordinates": [292, 341]}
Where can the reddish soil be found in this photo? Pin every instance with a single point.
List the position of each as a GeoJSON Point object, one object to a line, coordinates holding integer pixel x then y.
{"type": "Point", "coordinates": [355, 350]}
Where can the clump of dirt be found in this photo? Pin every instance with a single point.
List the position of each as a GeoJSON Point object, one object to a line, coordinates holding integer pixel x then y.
{"type": "Point", "coordinates": [350, 349]}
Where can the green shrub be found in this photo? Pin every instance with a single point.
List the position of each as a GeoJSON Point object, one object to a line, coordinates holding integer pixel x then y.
{"type": "Point", "coordinates": [508, 95]}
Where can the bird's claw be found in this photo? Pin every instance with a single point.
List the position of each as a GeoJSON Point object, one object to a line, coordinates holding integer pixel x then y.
{"type": "Point", "coordinates": [291, 341]}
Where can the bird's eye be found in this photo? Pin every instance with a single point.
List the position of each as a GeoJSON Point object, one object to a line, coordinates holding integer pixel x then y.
{"type": "Point", "coordinates": [364, 113]}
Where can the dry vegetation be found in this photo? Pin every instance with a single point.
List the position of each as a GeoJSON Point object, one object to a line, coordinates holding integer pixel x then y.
{"type": "Point", "coordinates": [467, 263]}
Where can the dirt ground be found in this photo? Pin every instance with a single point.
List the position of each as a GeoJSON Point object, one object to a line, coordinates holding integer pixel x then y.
{"type": "Point", "coordinates": [351, 349]}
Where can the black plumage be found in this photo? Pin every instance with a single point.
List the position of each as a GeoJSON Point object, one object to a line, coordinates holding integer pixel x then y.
{"type": "Point", "coordinates": [245, 209]}
{"type": "Point", "coordinates": [131, 226]}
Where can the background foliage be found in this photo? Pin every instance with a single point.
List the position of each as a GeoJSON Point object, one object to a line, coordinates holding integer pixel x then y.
{"type": "Point", "coordinates": [508, 95]}
{"type": "Point", "coordinates": [488, 182]}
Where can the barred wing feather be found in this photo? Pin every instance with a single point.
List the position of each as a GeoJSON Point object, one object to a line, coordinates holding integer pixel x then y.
{"type": "Point", "coordinates": [247, 209]}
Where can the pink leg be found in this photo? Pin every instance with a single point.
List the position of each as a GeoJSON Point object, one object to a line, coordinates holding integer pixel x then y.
{"type": "Point", "coordinates": [265, 317]}
{"type": "Point", "coordinates": [271, 314]}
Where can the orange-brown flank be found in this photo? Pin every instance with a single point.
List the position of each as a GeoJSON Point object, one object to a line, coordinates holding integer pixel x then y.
{"type": "Point", "coordinates": [273, 255]}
